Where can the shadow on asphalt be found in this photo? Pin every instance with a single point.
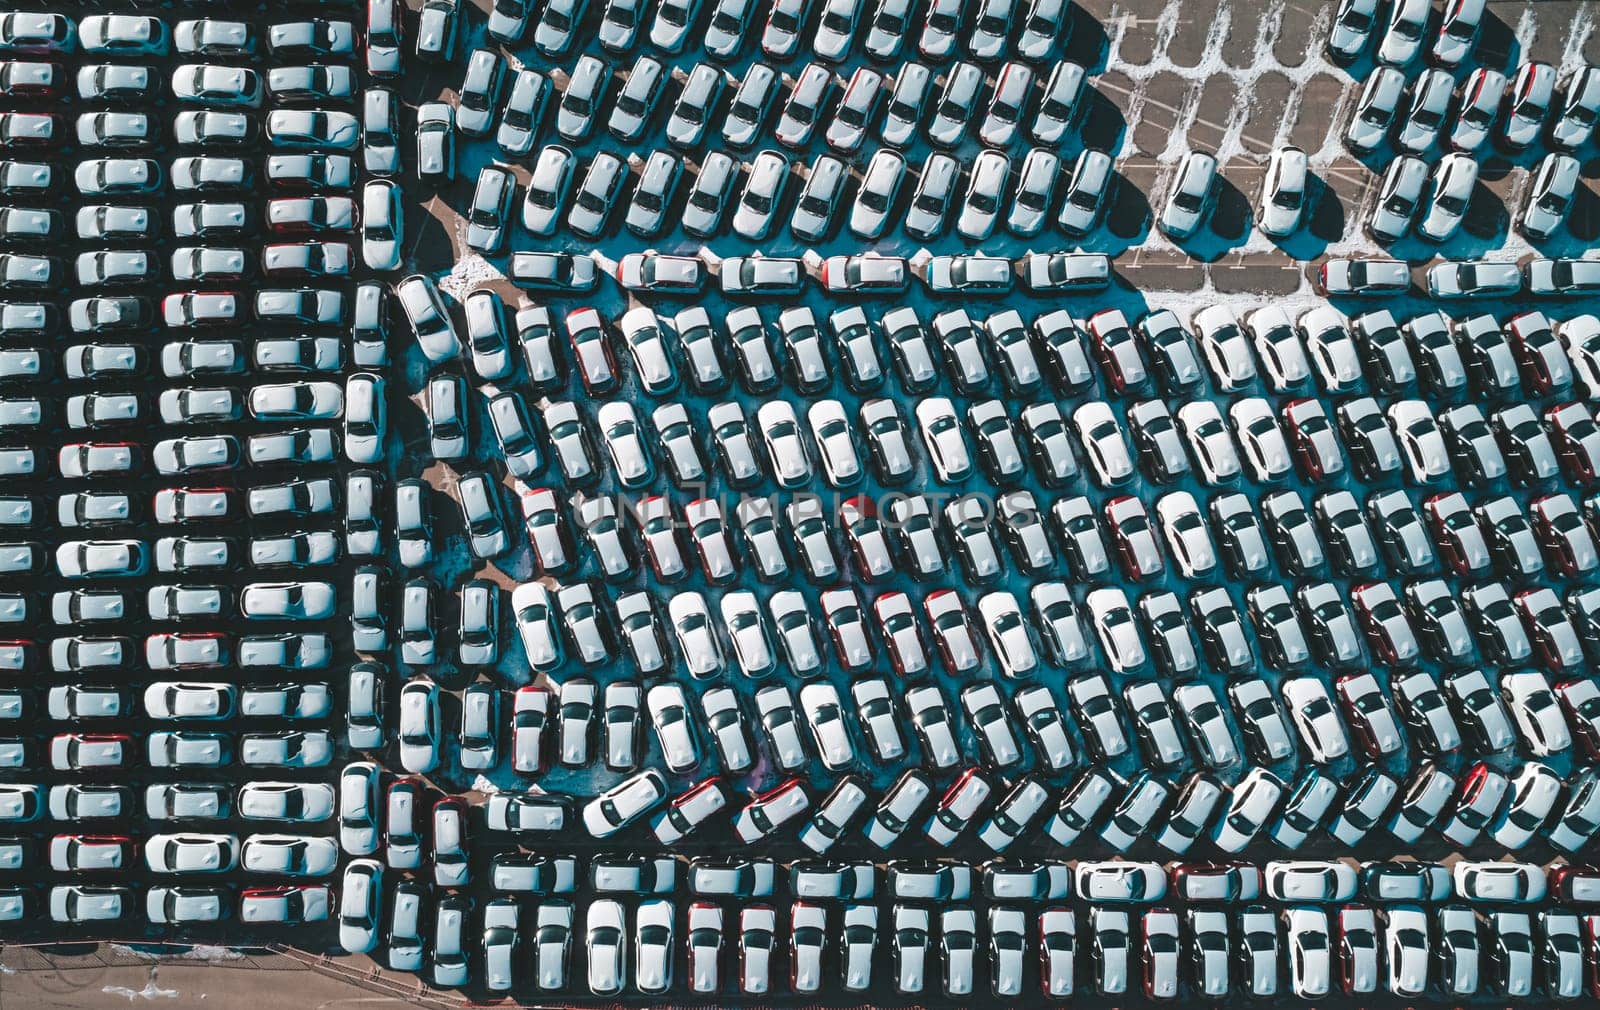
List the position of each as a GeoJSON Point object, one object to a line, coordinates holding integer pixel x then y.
{"type": "Point", "coordinates": [1102, 125]}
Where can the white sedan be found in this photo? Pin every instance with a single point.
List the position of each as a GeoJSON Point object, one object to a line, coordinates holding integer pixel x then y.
{"type": "Point", "coordinates": [624, 803]}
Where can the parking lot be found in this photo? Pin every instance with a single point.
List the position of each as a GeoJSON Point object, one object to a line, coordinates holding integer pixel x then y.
{"type": "Point", "coordinates": [1042, 681]}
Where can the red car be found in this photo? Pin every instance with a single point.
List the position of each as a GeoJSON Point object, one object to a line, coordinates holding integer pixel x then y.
{"type": "Point", "coordinates": [1312, 437]}
{"type": "Point", "coordinates": [1116, 350]}
{"type": "Point", "coordinates": [1577, 440]}
{"type": "Point", "coordinates": [1578, 884]}
{"type": "Point", "coordinates": [1545, 367]}
{"type": "Point", "coordinates": [1562, 533]}
{"type": "Point", "coordinates": [1357, 931]}
{"type": "Point", "coordinates": [1456, 532]}
{"type": "Point", "coordinates": [287, 905]}
{"type": "Point", "coordinates": [1554, 638]}
{"type": "Point", "coordinates": [1225, 881]}
{"type": "Point", "coordinates": [591, 350]}
{"type": "Point", "coordinates": [897, 623]}
{"type": "Point", "coordinates": [959, 806]}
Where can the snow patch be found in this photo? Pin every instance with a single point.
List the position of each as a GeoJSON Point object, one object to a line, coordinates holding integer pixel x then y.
{"type": "Point", "coordinates": [1262, 61]}
{"type": "Point", "coordinates": [150, 991]}
{"type": "Point", "coordinates": [469, 272]}
{"type": "Point", "coordinates": [1577, 38]}
{"type": "Point", "coordinates": [206, 952]}
{"type": "Point", "coordinates": [1527, 29]}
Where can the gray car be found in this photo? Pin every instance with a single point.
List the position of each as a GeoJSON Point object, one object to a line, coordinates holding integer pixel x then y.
{"type": "Point", "coordinates": [436, 142]}
{"type": "Point", "coordinates": [658, 182]}
{"type": "Point", "coordinates": [708, 195]}
{"type": "Point", "coordinates": [955, 105]}
{"type": "Point", "coordinates": [525, 106]}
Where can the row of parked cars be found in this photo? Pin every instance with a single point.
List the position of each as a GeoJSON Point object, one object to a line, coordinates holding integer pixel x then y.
{"type": "Point", "coordinates": [1475, 356]}
{"type": "Point", "coordinates": [1312, 931]}
{"type": "Point", "coordinates": [705, 205]}
{"type": "Point", "coordinates": [1505, 612]}
{"type": "Point", "coordinates": [1292, 629]}
{"type": "Point", "coordinates": [1485, 108]}
{"type": "Point", "coordinates": [1434, 201]}
{"type": "Point", "coordinates": [1403, 29]}
{"type": "Point", "coordinates": [1407, 440]}
{"type": "Point", "coordinates": [1099, 809]}
{"type": "Point", "coordinates": [1507, 559]}
{"type": "Point", "coordinates": [988, 30]}
{"type": "Point", "coordinates": [914, 104]}
{"type": "Point", "coordinates": [1468, 709]}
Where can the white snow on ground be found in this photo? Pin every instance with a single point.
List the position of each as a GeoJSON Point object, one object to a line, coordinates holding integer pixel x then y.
{"type": "Point", "coordinates": [1527, 28]}
{"type": "Point", "coordinates": [198, 952]}
{"type": "Point", "coordinates": [150, 991]}
{"type": "Point", "coordinates": [470, 271]}
{"type": "Point", "coordinates": [205, 952]}
{"type": "Point", "coordinates": [1578, 33]}
{"type": "Point", "coordinates": [1211, 64]}
{"type": "Point", "coordinates": [1231, 149]}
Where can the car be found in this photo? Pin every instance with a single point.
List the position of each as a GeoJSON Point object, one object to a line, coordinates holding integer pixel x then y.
{"type": "Point", "coordinates": [381, 226]}
{"type": "Point", "coordinates": [624, 803]}
{"type": "Point", "coordinates": [1404, 182]}
{"type": "Point", "coordinates": [430, 321]}
{"type": "Point", "coordinates": [490, 210]}
{"type": "Point", "coordinates": [1449, 192]}
{"type": "Point", "coordinates": [1284, 197]}
{"type": "Point", "coordinates": [1549, 199]}
{"type": "Point", "coordinates": [436, 144]}
{"type": "Point", "coordinates": [1527, 101]}
{"type": "Point", "coordinates": [769, 811]}
{"type": "Point", "coordinates": [955, 105]}
{"type": "Point", "coordinates": [1191, 198]}
{"type": "Point", "coordinates": [1534, 790]}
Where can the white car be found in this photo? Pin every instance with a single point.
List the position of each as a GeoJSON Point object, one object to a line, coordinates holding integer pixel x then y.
{"type": "Point", "coordinates": [365, 418]}
{"type": "Point", "coordinates": [624, 803]}
{"type": "Point", "coordinates": [1283, 193]}
{"type": "Point", "coordinates": [287, 749]}
{"type": "Point", "coordinates": [289, 855]}
{"type": "Point", "coordinates": [534, 611]}
{"type": "Point", "coordinates": [1191, 198]}
{"type": "Point", "coordinates": [360, 903]}
{"type": "Point", "coordinates": [418, 726]}
{"type": "Point", "coordinates": [307, 802]}
{"type": "Point", "coordinates": [669, 714]}
{"type": "Point", "coordinates": [770, 811]}
{"type": "Point", "coordinates": [824, 713]}
{"type": "Point", "coordinates": [191, 853]}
